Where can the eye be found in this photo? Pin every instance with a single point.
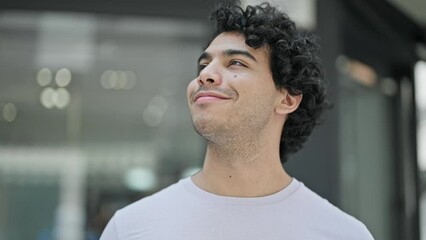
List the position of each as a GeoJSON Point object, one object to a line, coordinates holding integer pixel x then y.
{"type": "Point", "coordinates": [201, 66]}
{"type": "Point", "coordinates": [237, 63]}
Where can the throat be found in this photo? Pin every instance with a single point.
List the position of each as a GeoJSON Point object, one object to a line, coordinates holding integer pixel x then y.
{"type": "Point", "coordinates": [235, 185]}
{"type": "Point", "coordinates": [237, 151]}
{"type": "Point", "coordinates": [242, 175]}
{"type": "Point", "coordinates": [242, 165]}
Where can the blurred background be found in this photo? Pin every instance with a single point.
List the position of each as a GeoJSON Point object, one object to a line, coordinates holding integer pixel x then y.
{"type": "Point", "coordinates": [93, 112]}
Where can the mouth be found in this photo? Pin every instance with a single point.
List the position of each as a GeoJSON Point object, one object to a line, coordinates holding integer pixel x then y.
{"type": "Point", "coordinates": [205, 97]}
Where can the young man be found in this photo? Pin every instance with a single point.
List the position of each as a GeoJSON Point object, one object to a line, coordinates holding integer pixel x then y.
{"type": "Point", "coordinates": [258, 95]}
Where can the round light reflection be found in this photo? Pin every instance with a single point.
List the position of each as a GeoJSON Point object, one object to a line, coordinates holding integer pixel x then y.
{"type": "Point", "coordinates": [160, 102]}
{"type": "Point", "coordinates": [59, 98]}
{"type": "Point", "coordinates": [44, 77]}
{"type": "Point", "coordinates": [63, 77]}
{"type": "Point", "coordinates": [48, 97]}
{"type": "Point", "coordinates": [121, 80]}
{"type": "Point", "coordinates": [105, 79]}
{"type": "Point", "coordinates": [131, 80]}
{"type": "Point", "coordinates": [62, 98]}
{"type": "Point", "coordinates": [118, 79]}
{"type": "Point", "coordinates": [152, 116]}
{"type": "Point", "coordinates": [10, 112]}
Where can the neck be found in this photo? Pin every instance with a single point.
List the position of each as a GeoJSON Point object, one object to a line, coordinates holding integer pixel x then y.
{"type": "Point", "coordinates": [251, 169]}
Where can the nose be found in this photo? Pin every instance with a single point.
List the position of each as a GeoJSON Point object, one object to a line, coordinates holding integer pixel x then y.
{"type": "Point", "coordinates": [210, 75]}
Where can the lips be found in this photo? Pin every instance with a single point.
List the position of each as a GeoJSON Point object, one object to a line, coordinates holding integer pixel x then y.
{"type": "Point", "coordinates": [209, 96]}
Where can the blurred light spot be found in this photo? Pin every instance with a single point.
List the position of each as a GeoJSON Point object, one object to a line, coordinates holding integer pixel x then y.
{"type": "Point", "coordinates": [105, 79]}
{"type": "Point", "coordinates": [358, 71]}
{"type": "Point", "coordinates": [118, 79]}
{"type": "Point", "coordinates": [159, 102]}
{"type": "Point", "coordinates": [62, 98]}
{"type": "Point", "coordinates": [63, 77]}
{"type": "Point", "coordinates": [190, 171]}
{"type": "Point", "coordinates": [10, 112]}
{"type": "Point", "coordinates": [131, 79]}
{"type": "Point", "coordinates": [420, 95]}
{"type": "Point", "coordinates": [420, 84]}
{"type": "Point", "coordinates": [121, 80]}
{"type": "Point", "coordinates": [421, 143]}
{"type": "Point", "coordinates": [140, 179]}
{"type": "Point", "coordinates": [389, 86]}
{"type": "Point", "coordinates": [152, 116]}
{"type": "Point", "coordinates": [48, 97]}
{"type": "Point", "coordinates": [113, 79]}
{"type": "Point", "coordinates": [44, 77]}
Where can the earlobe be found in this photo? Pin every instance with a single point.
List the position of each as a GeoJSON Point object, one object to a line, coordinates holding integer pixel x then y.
{"type": "Point", "coordinates": [288, 103]}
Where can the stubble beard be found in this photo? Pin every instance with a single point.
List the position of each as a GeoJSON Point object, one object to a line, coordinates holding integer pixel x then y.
{"type": "Point", "coordinates": [212, 131]}
{"type": "Point", "coordinates": [230, 142]}
{"type": "Point", "coordinates": [238, 135]}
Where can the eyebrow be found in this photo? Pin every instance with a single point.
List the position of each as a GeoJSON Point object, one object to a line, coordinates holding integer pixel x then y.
{"type": "Point", "coordinates": [228, 52]}
{"type": "Point", "coordinates": [231, 52]}
{"type": "Point", "coordinates": [203, 56]}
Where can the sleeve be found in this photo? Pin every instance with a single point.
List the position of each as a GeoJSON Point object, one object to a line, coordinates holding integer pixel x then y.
{"type": "Point", "coordinates": [362, 233]}
{"type": "Point", "coordinates": [110, 231]}
{"type": "Point", "coordinates": [368, 235]}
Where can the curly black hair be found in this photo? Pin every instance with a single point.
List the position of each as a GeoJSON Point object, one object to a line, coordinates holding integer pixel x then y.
{"type": "Point", "coordinates": [295, 63]}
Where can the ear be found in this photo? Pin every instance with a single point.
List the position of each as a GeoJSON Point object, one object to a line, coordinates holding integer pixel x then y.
{"type": "Point", "coordinates": [287, 103]}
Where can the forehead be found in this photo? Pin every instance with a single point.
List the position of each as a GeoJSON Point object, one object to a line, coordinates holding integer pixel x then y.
{"type": "Point", "coordinates": [228, 39]}
{"type": "Point", "coordinates": [236, 41]}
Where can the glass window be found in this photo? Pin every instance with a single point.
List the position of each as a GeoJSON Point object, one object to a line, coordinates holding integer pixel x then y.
{"type": "Point", "coordinates": [93, 116]}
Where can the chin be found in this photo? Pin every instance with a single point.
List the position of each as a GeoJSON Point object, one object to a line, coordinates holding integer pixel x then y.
{"type": "Point", "coordinates": [204, 132]}
{"type": "Point", "coordinates": [206, 127]}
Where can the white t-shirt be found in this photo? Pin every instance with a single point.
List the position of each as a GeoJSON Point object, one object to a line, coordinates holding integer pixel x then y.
{"type": "Point", "coordinates": [183, 211]}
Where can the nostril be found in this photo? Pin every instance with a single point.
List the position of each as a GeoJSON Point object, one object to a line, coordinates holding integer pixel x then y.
{"type": "Point", "coordinates": [210, 80]}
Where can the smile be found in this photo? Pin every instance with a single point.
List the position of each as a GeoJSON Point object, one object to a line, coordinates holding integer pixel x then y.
{"type": "Point", "coordinates": [206, 97]}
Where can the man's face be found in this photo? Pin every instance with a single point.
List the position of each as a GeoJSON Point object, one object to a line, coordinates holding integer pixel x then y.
{"type": "Point", "coordinates": [234, 90]}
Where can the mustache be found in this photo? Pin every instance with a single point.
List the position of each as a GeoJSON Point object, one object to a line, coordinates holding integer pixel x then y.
{"type": "Point", "coordinates": [228, 92]}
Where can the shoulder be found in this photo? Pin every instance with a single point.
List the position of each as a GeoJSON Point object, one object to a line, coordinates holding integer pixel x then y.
{"type": "Point", "coordinates": [326, 218]}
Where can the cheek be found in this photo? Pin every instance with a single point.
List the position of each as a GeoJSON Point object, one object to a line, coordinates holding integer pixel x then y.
{"type": "Point", "coordinates": [192, 86]}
